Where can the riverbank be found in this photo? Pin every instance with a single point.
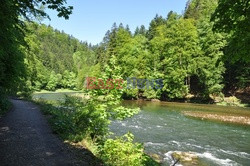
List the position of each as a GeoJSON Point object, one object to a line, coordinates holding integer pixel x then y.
{"type": "Point", "coordinates": [226, 110]}
{"type": "Point", "coordinates": [210, 112]}
{"type": "Point", "coordinates": [240, 98]}
{"type": "Point", "coordinates": [222, 101]}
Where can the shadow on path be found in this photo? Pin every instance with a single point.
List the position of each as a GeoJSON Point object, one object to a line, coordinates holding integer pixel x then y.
{"type": "Point", "coordinates": [26, 139]}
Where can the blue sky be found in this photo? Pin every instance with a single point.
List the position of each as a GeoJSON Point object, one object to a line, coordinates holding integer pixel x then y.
{"type": "Point", "coordinates": [92, 18]}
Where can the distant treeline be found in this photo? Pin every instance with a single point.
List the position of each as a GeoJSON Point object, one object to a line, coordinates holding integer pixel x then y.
{"type": "Point", "coordinates": [202, 52]}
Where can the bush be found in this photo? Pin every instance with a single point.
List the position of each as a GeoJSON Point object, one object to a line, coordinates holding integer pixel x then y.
{"type": "Point", "coordinates": [76, 120]}
{"type": "Point", "coordinates": [4, 102]}
{"type": "Point", "coordinates": [230, 101]}
{"type": "Point", "coordinates": [4, 105]}
{"type": "Point", "coordinates": [122, 152]}
{"type": "Point", "coordinates": [121, 113]}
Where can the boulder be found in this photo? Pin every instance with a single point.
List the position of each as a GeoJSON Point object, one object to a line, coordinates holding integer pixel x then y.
{"type": "Point", "coordinates": [186, 158]}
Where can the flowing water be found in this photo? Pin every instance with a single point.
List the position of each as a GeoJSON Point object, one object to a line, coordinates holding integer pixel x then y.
{"type": "Point", "coordinates": [164, 129]}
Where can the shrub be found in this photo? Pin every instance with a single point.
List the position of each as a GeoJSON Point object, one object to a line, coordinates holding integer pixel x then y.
{"type": "Point", "coordinates": [4, 102]}
{"type": "Point", "coordinates": [122, 113]}
{"type": "Point", "coordinates": [122, 152]}
{"type": "Point", "coordinates": [4, 105]}
{"type": "Point", "coordinates": [76, 120]}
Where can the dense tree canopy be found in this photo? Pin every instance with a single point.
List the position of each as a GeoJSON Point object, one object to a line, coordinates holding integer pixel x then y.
{"type": "Point", "coordinates": [193, 53]}
{"type": "Point", "coordinates": [184, 51]}
{"type": "Point", "coordinates": [12, 33]}
{"type": "Point", "coordinates": [200, 9]}
{"type": "Point", "coordinates": [56, 60]}
{"type": "Point", "coordinates": [233, 18]}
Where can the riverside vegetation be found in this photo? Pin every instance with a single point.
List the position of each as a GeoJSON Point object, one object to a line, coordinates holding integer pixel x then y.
{"type": "Point", "coordinates": [86, 123]}
{"type": "Point", "coordinates": [202, 53]}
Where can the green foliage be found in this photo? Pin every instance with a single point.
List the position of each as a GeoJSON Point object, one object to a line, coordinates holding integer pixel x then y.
{"type": "Point", "coordinates": [140, 31]}
{"type": "Point", "coordinates": [211, 65]}
{"type": "Point", "coordinates": [85, 64]}
{"type": "Point", "coordinates": [122, 152]}
{"type": "Point", "coordinates": [56, 48]}
{"type": "Point", "coordinates": [236, 22]}
{"type": "Point", "coordinates": [25, 90]}
{"type": "Point", "coordinates": [109, 99]}
{"type": "Point", "coordinates": [183, 51]}
{"type": "Point", "coordinates": [237, 74]}
{"type": "Point", "coordinates": [68, 80]}
{"type": "Point", "coordinates": [5, 105]}
{"type": "Point", "coordinates": [11, 56]}
{"type": "Point", "coordinates": [176, 44]}
{"type": "Point", "coordinates": [76, 120]}
{"type": "Point", "coordinates": [157, 21]}
{"type": "Point", "coordinates": [12, 34]}
{"type": "Point", "coordinates": [200, 9]}
{"type": "Point", "coordinates": [56, 60]}
{"type": "Point", "coordinates": [26, 7]}
{"type": "Point", "coordinates": [122, 113]}
{"type": "Point", "coordinates": [152, 94]}
{"type": "Point", "coordinates": [232, 18]}
{"type": "Point", "coordinates": [52, 82]}
{"type": "Point", "coordinates": [130, 94]}
{"type": "Point", "coordinates": [230, 101]}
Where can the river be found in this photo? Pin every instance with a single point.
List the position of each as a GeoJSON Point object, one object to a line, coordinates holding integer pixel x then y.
{"type": "Point", "coordinates": [163, 129]}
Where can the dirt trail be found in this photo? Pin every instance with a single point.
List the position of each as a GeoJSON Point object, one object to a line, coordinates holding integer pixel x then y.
{"type": "Point", "coordinates": [26, 139]}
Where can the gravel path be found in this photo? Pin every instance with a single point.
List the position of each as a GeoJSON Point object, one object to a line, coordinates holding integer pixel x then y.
{"type": "Point", "coordinates": [26, 139]}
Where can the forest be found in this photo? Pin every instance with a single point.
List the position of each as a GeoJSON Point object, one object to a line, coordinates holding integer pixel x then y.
{"type": "Point", "coordinates": [197, 54]}
{"type": "Point", "coordinates": [200, 55]}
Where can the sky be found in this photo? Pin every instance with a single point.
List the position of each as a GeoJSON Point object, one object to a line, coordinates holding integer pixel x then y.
{"type": "Point", "coordinates": [91, 19]}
